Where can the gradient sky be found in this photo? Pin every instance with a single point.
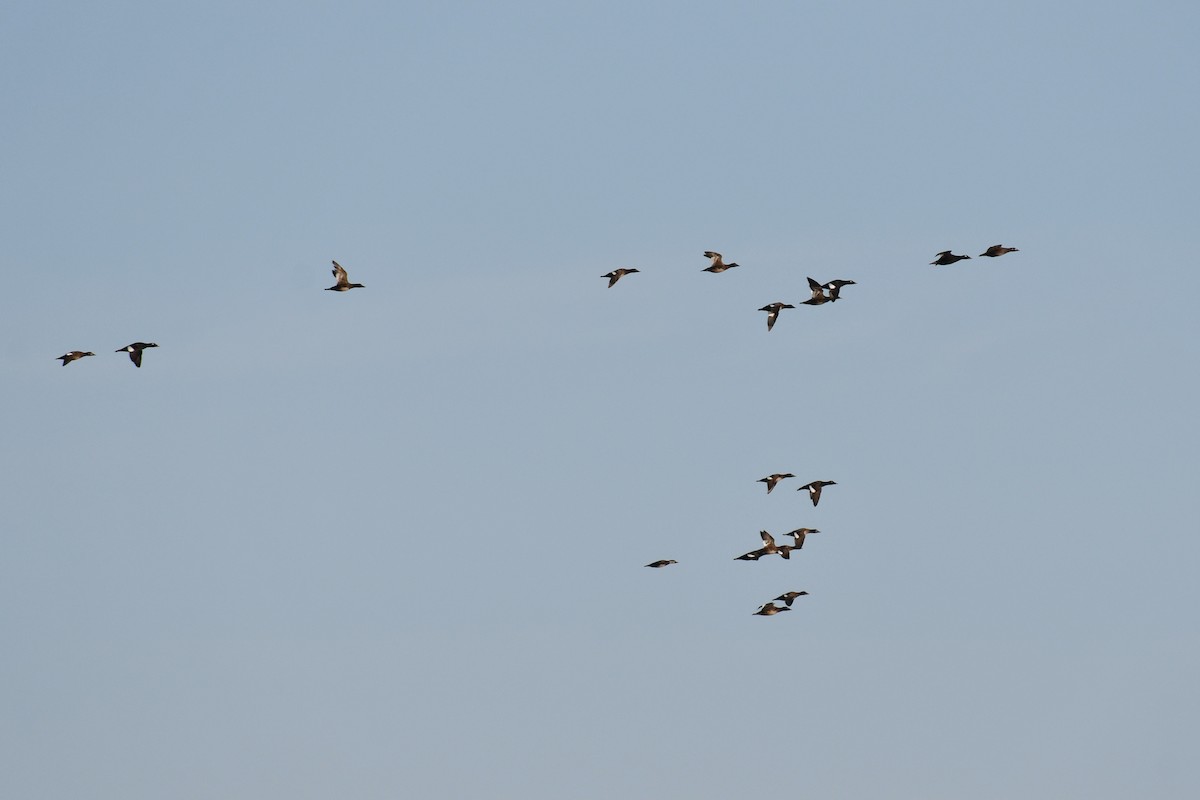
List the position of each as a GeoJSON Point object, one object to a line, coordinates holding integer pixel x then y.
{"type": "Point", "coordinates": [389, 543]}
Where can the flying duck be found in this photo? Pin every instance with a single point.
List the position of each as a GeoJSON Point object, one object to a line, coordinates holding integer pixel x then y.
{"type": "Point", "coordinates": [946, 257]}
{"type": "Point", "coordinates": [998, 250]}
{"type": "Point", "coordinates": [788, 597]}
{"type": "Point", "coordinates": [617, 274]}
{"type": "Point", "coordinates": [74, 355]}
{"type": "Point", "coordinates": [834, 288]}
{"type": "Point", "coordinates": [343, 280]}
{"type": "Point", "coordinates": [717, 264]}
{"type": "Point", "coordinates": [818, 294]}
{"type": "Point", "coordinates": [814, 489]}
{"type": "Point", "coordinates": [773, 312]}
{"type": "Point", "coordinates": [798, 536]}
{"type": "Point", "coordinates": [767, 549]}
{"type": "Point", "coordinates": [135, 351]}
{"type": "Point", "coordinates": [769, 609]}
{"type": "Point", "coordinates": [771, 480]}
{"type": "Point", "coordinates": [661, 564]}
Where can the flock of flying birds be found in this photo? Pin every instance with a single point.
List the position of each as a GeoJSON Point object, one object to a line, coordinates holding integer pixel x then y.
{"type": "Point", "coordinates": [342, 284]}
{"type": "Point", "coordinates": [827, 292]}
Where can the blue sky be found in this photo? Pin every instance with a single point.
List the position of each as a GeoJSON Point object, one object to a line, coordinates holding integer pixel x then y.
{"type": "Point", "coordinates": [390, 542]}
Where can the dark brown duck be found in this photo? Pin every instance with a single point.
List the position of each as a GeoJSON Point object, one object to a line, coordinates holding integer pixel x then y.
{"type": "Point", "coordinates": [135, 351]}
{"type": "Point", "coordinates": [74, 355]}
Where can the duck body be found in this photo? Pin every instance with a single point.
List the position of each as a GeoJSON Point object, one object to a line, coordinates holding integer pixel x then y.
{"type": "Point", "coordinates": [74, 355]}
{"type": "Point", "coordinates": [834, 288]}
{"type": "Point", "coordinates": [799, 535]}
{"type": "Point", "coordinates": [773, 310]}
{"type": "Point", "coordinates": [717, 264]}
{"type": "Point", "coordinates": [818, 294]}
{"type": "Point", "coordinates": [997, 250]}
{"type": "Point", "coordinates": [770, 609]}
{"type": "Point", "coordinates": [343, 280]}
{"type": "Point", "coordinates": [769, 548]}
{"type": "Point", "coordinates": [661, 564]}
{"type": "Point", "coordinates": [769, 545]}
{"type": "Point", "coordinates": [946, 258]}
{"type": "Point", "coordinates": [773, 479]}
{"type": "Point", "coordinates": [789, 597]}
{"type": "Point", "coordinates": [135, 351]}
{"type": "Point", "coordinates": [617, 274]}
{"type": "Point", "coordinates": [814, 489]}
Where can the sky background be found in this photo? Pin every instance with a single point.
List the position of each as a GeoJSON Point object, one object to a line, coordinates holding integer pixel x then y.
{"type": "Point", "coordinates": [389, 543]}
